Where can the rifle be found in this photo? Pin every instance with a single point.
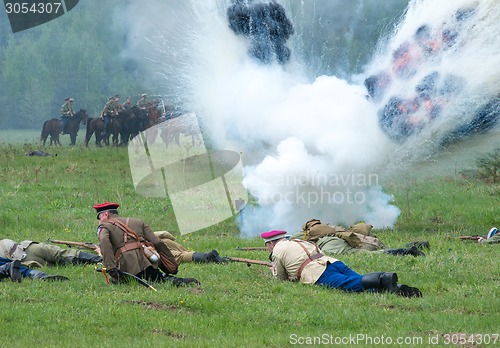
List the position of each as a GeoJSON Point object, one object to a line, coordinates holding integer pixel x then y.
{"type": "Point", "coordinates": [470, 237]}
{"type": "Point", "coordinates": [85, 245]}
{"type": "Point", "coordinates": [250, 262]}
{"type": "Point", "coordinates": [251, 248]}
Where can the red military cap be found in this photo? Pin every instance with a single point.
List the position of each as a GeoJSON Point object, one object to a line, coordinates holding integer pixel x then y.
{"type": "Point", "coordinates": [106, 206]}
{"type": "Point", "coordinates": [273, 235]}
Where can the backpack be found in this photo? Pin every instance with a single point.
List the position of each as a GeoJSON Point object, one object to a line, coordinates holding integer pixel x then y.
{"type": "Point", "coordinates": [357, 236]}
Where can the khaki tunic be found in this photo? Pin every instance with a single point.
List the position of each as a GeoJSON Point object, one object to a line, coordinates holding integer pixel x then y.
{"type": "Point", "coordinates": [32, 254]}
{"type": "Point", "coordinates": [111, 239]}
{"type": "Point", "coordinates": [67, 110]}
{"type": "Point", "coordinates": [332, 245]}
{"type": "Point", "coordinates": [288, 256]}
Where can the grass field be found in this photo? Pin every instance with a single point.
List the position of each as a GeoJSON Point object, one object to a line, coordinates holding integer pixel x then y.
{"type": "Point", "coordinates": [236, 305]}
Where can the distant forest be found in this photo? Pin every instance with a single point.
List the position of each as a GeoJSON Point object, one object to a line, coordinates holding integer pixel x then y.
{"type": "Point", "coordinates": [80, 54]}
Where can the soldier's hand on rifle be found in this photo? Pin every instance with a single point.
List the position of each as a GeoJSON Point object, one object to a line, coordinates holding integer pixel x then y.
{"type": "Point", "coordinates": [98, 250]}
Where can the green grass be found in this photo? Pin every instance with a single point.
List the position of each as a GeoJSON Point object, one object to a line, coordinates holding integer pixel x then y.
{"type": "Point", "coordinates": [236, 305]}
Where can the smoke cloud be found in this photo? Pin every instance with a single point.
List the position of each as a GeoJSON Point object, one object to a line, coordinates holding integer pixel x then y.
{"type": "Point", "coordinates": [317, 146]}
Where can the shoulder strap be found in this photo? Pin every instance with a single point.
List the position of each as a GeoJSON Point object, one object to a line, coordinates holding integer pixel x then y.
{"type": "Point", "coordinates": [125, 228]}
{"type": "Point", "coordinates": [127, 231]}
{"type": "Point", "coordinates": [309, 257]}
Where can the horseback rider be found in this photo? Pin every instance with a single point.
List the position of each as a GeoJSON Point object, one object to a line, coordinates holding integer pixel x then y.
{"type": "Point", "coordinates": [108, 114]}
{"type": "Point", "coordinates": [118, 105]}
{"type": "Point", "coordinates": [142, 103]}
{"type": "Point", "coordinates": [66, 113]}
{"type": "Point", "coordinates": [128, 103]}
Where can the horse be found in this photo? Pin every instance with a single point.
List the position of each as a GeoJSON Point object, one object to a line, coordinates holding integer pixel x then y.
{"type": "Point", "coordinates": [73, 124]}
{"type": "Point", "coordinates": [130, 121]}
{"type": "Point", "coordinates": [97, 126]}
{"type": "Point", "coordinates": [174, 127]}
{"type": "Point", "coordinates": [153, 118]}
{"type": "Point", "coordinates": [51, 127]}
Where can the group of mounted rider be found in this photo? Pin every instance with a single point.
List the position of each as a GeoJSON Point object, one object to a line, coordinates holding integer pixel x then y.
{"type": "Point", "coordinates": [116, 120]}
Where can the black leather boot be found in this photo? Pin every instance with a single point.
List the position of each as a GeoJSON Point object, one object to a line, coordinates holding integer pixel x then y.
{"type": "Point", "coordinates": [85, 258]}
{"type": "Point", "coordinates": [382, 281]}
{"type": "Point", "coordinates": [420, 245]}
{"type": "Point", "coordinates": [11, 270]}
{"type": "Point", "coordinates": [413, 251]}
{"type": "Point", "coordinates": [408, 291]}
{"type": "Point", "coordinates": [180, 281]}
{"type": "Point", "coordinates": [35, 274]}
{"type": "Point", "coordinates": [212, 256]}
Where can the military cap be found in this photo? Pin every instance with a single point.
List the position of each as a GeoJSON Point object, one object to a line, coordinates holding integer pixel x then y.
{"type": "Point", "coordinates": [106, 206]}
{"type": "Point", "coordinates": [273, 235]}
{"type": "Point", "coordinates": [71, 99]}
{"type": "Point", "coordinates": [144, 95]}
{"type": "Point", "coordinates": [117, 96]}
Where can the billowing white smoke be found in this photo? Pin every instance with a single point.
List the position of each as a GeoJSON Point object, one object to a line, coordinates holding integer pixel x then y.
{"type": "Point", "coordinates": [312, 149]}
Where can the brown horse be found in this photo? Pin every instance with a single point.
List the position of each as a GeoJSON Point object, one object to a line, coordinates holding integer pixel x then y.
{"type": "Point", "coordinates": [51, 127]}
{"type": "Point", "coordinates": [172, 129]}
{"type": "Point", "coordinates": [97, 126]}
{"type": "Point", "coordinates": [153, 118]}
{"type": "Point", "coordinates": [73, 125]}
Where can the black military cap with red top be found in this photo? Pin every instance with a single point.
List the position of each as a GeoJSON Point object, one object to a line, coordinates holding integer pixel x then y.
{"type": "Point", "coordinates": [106, 206]}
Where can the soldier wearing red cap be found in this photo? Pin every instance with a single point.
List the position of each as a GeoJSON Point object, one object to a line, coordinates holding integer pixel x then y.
{"type": "Point", "coordinates": [121, 241]}
{"type": "Point", "coordinates": [299, 260]}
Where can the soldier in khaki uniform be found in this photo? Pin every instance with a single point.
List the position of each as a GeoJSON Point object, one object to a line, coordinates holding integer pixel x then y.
{"type": "Point", "coordinates": [298, 260]}
{"type": "Point", "coordinates": [128, 103]}
{"type": "Point", "coordinates": [33, 254]}
{"type": "Point", "coordinates": [108, 114]}
{"type": "Point", "coordinates": [118, 106]}
{"type": "Point", "coordinates": [142, 103]}
{"type": "Point", "coordinates": [121, 251]}
{"type": "Point", "coordinates": [336, 240]}
{"type": "Point", "coordinates": [66, 112]}
{"type": "Point", "coordinates": [182, 255]}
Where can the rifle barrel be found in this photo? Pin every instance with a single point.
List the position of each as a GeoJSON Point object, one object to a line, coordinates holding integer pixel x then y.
{"type": "Point", "coordinates": [251, 248]}
{"type": "Point", "coordinates": [86, 245]}
{"type": "Point", "coordinates": [251, 262]}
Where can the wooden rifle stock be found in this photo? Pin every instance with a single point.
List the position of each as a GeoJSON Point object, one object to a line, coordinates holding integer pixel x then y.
{"type": "Point", "coordinates": [470, 237]}
{"type": "Point", "coordinates": [85, 245]}
{"type": "Point", "coordinates": [251, 262]}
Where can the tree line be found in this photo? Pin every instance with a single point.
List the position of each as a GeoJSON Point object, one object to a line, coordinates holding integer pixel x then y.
{"type": "Point", "coordinates": [79, 55]}
{"type": "Point", "coordinates": [76, 55]}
